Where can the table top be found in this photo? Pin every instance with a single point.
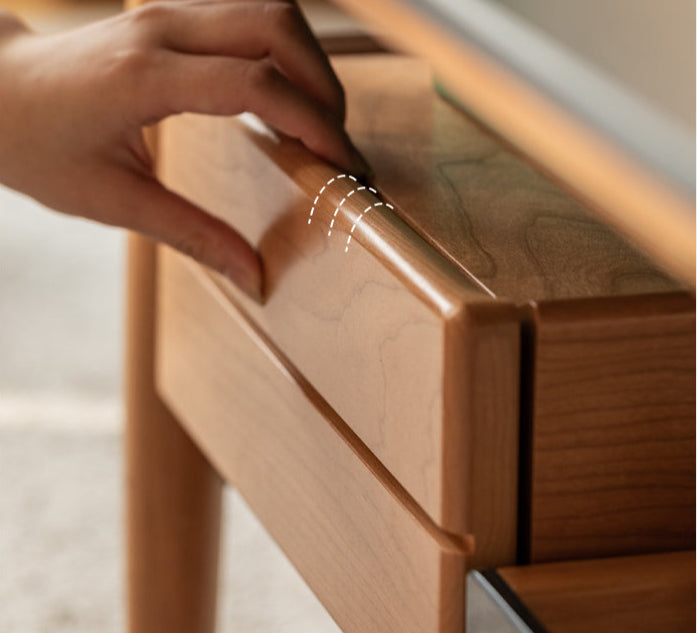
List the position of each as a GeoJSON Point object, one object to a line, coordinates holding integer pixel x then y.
{"type": "Point", "coordinates": [517, 234]}
{"type": "Point", "coordinates": [619, 187]}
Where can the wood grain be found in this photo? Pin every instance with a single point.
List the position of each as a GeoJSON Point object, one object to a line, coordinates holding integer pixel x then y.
{"type": "Point", "coordinates": [473, 199]}
{"type": "Point", "coordinates": [412, 354]}
{"type": "Point", "coordinates": [387, 332]}
{"type": "Point", "coordinates": [369, 553]}
{"type": "Point", "coordinates": [613, 440]}
{"type": "Point", "coordinates": [642, 594]}
{"type": "Point", "coordinates": [654, 215]}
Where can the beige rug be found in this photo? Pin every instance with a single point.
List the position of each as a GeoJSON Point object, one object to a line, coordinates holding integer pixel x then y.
{"type": "Point", "coordinates": [61, 550]}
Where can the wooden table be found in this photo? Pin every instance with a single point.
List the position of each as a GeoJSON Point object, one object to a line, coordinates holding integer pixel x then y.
{"type": "Point", "coordinates": [458, 369]}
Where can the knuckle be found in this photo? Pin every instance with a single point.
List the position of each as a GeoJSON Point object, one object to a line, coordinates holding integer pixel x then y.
{"type": "Point", "coordinates": [132, 61]}
{"type": "Point", "coordinates": [261, 75]}
{"type": "Point", "coordinates": [284, 20]}
{"type": "Point", "coordinates": [283, 17]}
{"type": "Point", "coordinates": [133, 69]}
{"type": "Point", "coordinates": [151, 14]}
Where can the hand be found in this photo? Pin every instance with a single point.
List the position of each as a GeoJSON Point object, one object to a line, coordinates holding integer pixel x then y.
{"type": "Point", "coordinates": [72, 107]}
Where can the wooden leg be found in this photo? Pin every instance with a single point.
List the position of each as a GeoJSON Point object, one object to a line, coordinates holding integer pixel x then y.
{"type": "Point", "coordinates": [173, 495]}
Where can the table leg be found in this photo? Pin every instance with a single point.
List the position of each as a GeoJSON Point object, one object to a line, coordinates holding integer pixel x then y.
{"type": "Point", "coordinates": [173, 495]}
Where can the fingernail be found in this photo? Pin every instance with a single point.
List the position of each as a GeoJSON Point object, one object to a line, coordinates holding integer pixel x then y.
{"type": "Point", "coordinates": [366, 168]}
{"type": "Point", "coordinates": [369, 177]}
{"type": "Point", "coordinates": [370, 173]}
{"type": "Point", "coordinates": [362, 166]}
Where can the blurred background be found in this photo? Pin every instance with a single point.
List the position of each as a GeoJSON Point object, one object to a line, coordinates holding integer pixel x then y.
{"type": "Point", "coordinates": [61, 330]}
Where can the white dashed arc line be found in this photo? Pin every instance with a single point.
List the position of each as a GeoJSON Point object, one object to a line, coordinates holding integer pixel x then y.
{"type": "Point", "coordinates": [343, 200]}
{"type": "Point", "coordinates": [324, 187]}
{"type": "Point", "coordinates": [336, 211]}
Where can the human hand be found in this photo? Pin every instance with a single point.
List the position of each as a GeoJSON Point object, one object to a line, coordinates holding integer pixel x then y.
{"type": "Point", "coordinates": [72, 107]}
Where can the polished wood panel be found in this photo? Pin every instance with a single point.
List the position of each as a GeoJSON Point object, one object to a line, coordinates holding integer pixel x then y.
{"type": "Point", "coordinates": [503, 231]}
{"type": "Point", "coordinates": [654, 215]}
{"type": "Point", "coordinates": [173, 495]}
{"type": "Point", "coordinates": [642, 594]}
{"type": "Point", "coordinates": [613, 437]}
{"type": "Point", "coordinates": [473, 199]}
{"type": "Point", "coordinates": [370, 554]}
{"type": "Point", "coordinates": [414, 355]}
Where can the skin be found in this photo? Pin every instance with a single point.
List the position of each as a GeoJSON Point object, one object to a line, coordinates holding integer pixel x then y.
{"type": "Point", "coordinates": [73, 105]}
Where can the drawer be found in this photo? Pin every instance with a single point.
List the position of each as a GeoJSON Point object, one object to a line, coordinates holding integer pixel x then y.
{"type": "Point", "coordinates": [418, 359]}
{"type": "Point", "coordinates": [370, 554]}
{"type": "Point", "coordinates": [651, 593]}
{"type": "Point", "coordinates": [465, 312]}
{"type": "Point", "coordinates": [613, 441]}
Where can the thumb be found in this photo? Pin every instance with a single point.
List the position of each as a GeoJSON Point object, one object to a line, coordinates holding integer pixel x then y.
{"type": "Point", "coordinates": [169, 218]}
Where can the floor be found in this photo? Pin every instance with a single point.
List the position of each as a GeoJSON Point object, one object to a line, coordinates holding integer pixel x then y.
{"type": "Point", "coordinates": [61, 549]}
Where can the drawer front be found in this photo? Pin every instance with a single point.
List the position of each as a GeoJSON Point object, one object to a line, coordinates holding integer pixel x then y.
{"type": "Point", "coordinates": [372, 556]}
{"type": "Point", "coordinates": [420, 362]}
{"type": "Point", "coordinates": [613, 428]}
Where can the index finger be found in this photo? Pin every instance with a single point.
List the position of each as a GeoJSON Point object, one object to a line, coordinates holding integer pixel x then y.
{"type": "Point", "coordinates": [254, 30]}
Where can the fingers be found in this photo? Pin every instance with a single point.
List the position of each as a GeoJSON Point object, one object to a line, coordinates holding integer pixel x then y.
{"type": "Point", "coordinates": [225, 58]}
{"type": "Point", "coordinates": [254, 30]}
{"type": "Point", "coordinates": [227, 86]}
{"type": "Point", "coordinates": [148, 208]}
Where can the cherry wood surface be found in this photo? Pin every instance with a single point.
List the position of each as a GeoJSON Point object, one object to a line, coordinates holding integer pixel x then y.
{"type": "Point", "coordinates": [416, 357]}
{"type": "Point", "coordinates": [472, 223]}
{"type": "Point", "coordinates": [652, 213]}
{"type": "Point", "coordinates": [613, 438]}
{"type": "Point", "coordinates": [493, 215]}
{"type": "Point", "coordinates": [371, 555]}
{"type": "Point", "coordinates": [642, 594]}
{"type": "Point", "coordinates": [410, 334]}
{"type": "Point", "coordinates": [173, 495]}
